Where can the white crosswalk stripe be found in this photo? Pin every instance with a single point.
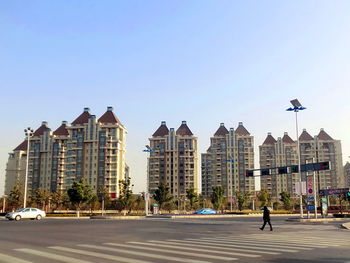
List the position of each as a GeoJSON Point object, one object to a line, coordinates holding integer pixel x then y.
{"type": "Point", "coordinates": [263, 246]}
{"type": "Point", "coordinates": [202, 255]}
{"type": "Point", "coordinates": [99, 255]}
{"type": "Point", "coordinates": [10, 259]}
{"type": "Point", "coordinates": [265, 243]}
{"type": "Point", "coordinates": [153, 255]}
{"type": "Point", "coordinates": [273, 243]}
{"type": "Point", "coordinates": [203, 249]}
{"type": "Point", "coordinates": [51, 256]}
{"type": "Point", "coordinates": [205, 245]}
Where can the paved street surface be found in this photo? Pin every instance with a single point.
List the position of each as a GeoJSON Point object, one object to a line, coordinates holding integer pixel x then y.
{"type": "Point", "coordinates": [169, 240]}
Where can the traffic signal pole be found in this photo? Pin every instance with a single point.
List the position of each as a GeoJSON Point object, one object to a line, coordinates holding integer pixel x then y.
{"type": "Point", "coordinates": [299, 167]}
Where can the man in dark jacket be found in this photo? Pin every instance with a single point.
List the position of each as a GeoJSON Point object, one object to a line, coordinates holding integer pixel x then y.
{"type": "Point", "coordinates": [266, 218]}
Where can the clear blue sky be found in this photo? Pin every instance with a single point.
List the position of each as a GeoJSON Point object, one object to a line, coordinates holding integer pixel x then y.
{"type": "Point", "coordinates": [201, 61]}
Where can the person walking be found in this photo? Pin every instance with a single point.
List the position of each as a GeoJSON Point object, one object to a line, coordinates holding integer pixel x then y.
{"type": "Point", "coordinates": [266, 218]}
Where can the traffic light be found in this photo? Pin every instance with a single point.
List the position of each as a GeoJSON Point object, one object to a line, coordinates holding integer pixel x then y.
{"type": "Point", "coordinates": [249, 173]}
{"type": "Point", "coordinates": [294, 169]}
{"type": "Point", "coordinates": [265, 171]}
{"type": "Point", "coordinates": [322, 166]}
{"type": "Point", "coordinates": [282, 170]}
{"type": "Point", "coordinates": [347, 196]}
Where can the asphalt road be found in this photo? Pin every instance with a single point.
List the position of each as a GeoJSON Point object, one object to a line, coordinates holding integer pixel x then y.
{"type": "Point", "coordinates": [172, 240]}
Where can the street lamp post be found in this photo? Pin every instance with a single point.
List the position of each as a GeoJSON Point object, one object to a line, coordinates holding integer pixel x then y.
{"type": "Point", "coordinates": [149, 150]}
{"type": "Point", "coordinates": [4, 203]}
{"type": "Point", "coordinates": [296, 108]}
{"type": "Point", "coordinates": [29, 134]}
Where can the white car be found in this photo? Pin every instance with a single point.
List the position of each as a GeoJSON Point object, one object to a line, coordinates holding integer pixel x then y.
{"type": "Point", "coordinates": [32, 213]}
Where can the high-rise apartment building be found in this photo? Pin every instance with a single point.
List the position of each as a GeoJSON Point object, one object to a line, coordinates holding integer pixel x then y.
{"type": "Point", "coordinates": [320, 148]}
{"type": "Point", "coordinates": [347, 175]}
{"type": "Point", "coordinates": [278, 153]}
{"type": "Point", "coordinates": [230, 154]}
{"type": "Point", "coordinates": [283, 152]}
{"type": "Point", "coordinates": [90, 148]}
{"type": "Point", "coordinates": [173, 159]}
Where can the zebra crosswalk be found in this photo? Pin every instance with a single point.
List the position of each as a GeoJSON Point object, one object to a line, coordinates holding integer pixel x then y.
{"type": "Point", "coordinates": [204, 249]}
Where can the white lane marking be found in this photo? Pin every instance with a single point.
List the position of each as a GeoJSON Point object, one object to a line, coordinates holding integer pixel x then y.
{"type": "Point", "coordinates": [163, 257]}
{"type": "Point", "coordinates": [51, 256]}
{"type": "Point", "coordinates": [203, 245]}
{"type": "Point", "coordinates": [99, 255]}
{"type": "Point", "coordinates": [297, 240]}
{"type": "Point", "coordinates": [272, 243]}
{"type": "Point", "coordinates": [202, 255]}
{"type": "Point", "coordinates": [231, 244]}
{"type": "Point", "coordinates": [163, 243]}
{"type": "Point", "coordinates": [9, 259]}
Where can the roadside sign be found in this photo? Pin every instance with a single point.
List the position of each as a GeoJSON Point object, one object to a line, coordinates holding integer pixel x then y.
{"type": "Point", "coordinates": [310, 198]}
{"type": "Point", "coordinates": [336, 191]}
{"type": "Point", "coordinates": [310, 207]}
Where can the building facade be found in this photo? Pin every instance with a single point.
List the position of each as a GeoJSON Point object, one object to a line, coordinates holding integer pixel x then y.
{"type": "Point", "coordinates": [91, 149]}
{"type": "Point", "coordinates": [230, 154]}
{"type": "Point", "coordinates": [173, 160]}
{"type": "Point", "coordinates": [347, 175]}
{"type": "Point", "coordinates": [278, 153]}
{"type": "Point", "coordinates": [283, 152]}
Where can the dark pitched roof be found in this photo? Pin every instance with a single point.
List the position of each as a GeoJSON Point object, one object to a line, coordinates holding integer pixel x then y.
{"type": "Point", "coordinates": [287, 139]}
{"type": "Point", "coordinates": [269, 139]}
{"type": "Point", "coordinates": [221, 131]}
{"type": "Point", "coordinates": [324, 136]}
{"type": "Point", "coordinates": [109, 117]}
{"type": "Point", "coordinates": [241, 130]}
{"type": "Point", "coordinates": [162, 130]}
{"type": "Point", "coordinates": [40, 131]}
{"type": "Point", "coordinates": [22, 147]}
{"type": "Point", "coordinates": [62, 130]}
{"type": "Point", "coordinates": [305, 136]}
{"type": "Point", "coordinates": [83, 118]}
{"type": "Point", "coordinates": [184, 130]}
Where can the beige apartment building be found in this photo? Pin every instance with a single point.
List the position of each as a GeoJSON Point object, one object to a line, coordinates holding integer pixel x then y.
{"type": "Point", "coordinates": [90, 148]}
{"type": "Point", "coordinates": [283, 152]}
{"type": "Point", "coordinates": [278, 153]}
{"type": "Point", "coordinates": [173, 159]}
{"type": "Point", "coordinates": [347, 175]}
{"type": "Point", "coordinates": [230, 154]}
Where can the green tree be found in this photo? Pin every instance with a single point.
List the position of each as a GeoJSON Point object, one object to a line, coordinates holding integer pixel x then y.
{"type": "Point", "coordinates": [125, 198]}
{"type": "Point", "coordinates": [162, 195]}
{"type": "Point", "coordinates": [264, 197]}
{"type": "Point", "coordinates": [217, 197]}
{"type": "Point", "coordinates": [80, 193]}
{"type": "Point", "coordinates": [59, 199]}
{"type": "Point", "coordinates": [191, 196]}
{"type": "Point", "coordinates": [103, 196]}
{"type": "Point", "coordinates": [242, 199]}
{"type": "Point", "coordinates": [286, 200]}
{"type": "Point", "coordinates": [15, 198]}
{"type": "Point", "coordinates": [41, 198]}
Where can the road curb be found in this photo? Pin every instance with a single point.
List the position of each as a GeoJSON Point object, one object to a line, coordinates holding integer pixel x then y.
{"type": "Point", "coordinates": [346, 225]}
{"type": "Point", "coordinates": [118, 217]}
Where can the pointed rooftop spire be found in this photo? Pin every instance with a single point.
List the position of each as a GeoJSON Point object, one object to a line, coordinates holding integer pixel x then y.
{"type": "Point", "coordinates": [222, 131]}
{"type": "Point", "coordinates": [241, 130]}
{"type": "Point", "coordinates": [305, 136]}
{"type": "Point", "coordinates": [40, 131]}
{"type": "Point", "coordinates": [109, 117]}
{"type": "Point", "coordinates": [269, 139]}
{"type": "Point", "coordinates": [184, 130]}
{"type": "Point", "coordinates": [83, 118]}
{"type": "Point", "coordinates": [286, 138]}
{"type": "Point", "coordinates": [162, 130]}
{"type": "Point", "coordinates": [22, 147]}
{"type": "Point", "coordinates": [324, 136]}
{"type": "Point", "coordinates": [62, 130]}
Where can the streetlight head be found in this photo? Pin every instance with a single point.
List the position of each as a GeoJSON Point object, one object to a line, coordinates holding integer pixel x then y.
{"type": "Point", "coordinates": [296, 103]}
{"type": "Point", "coordinates": [290, 109]}
{"type": "Point", "coordinates": [302, 108]}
